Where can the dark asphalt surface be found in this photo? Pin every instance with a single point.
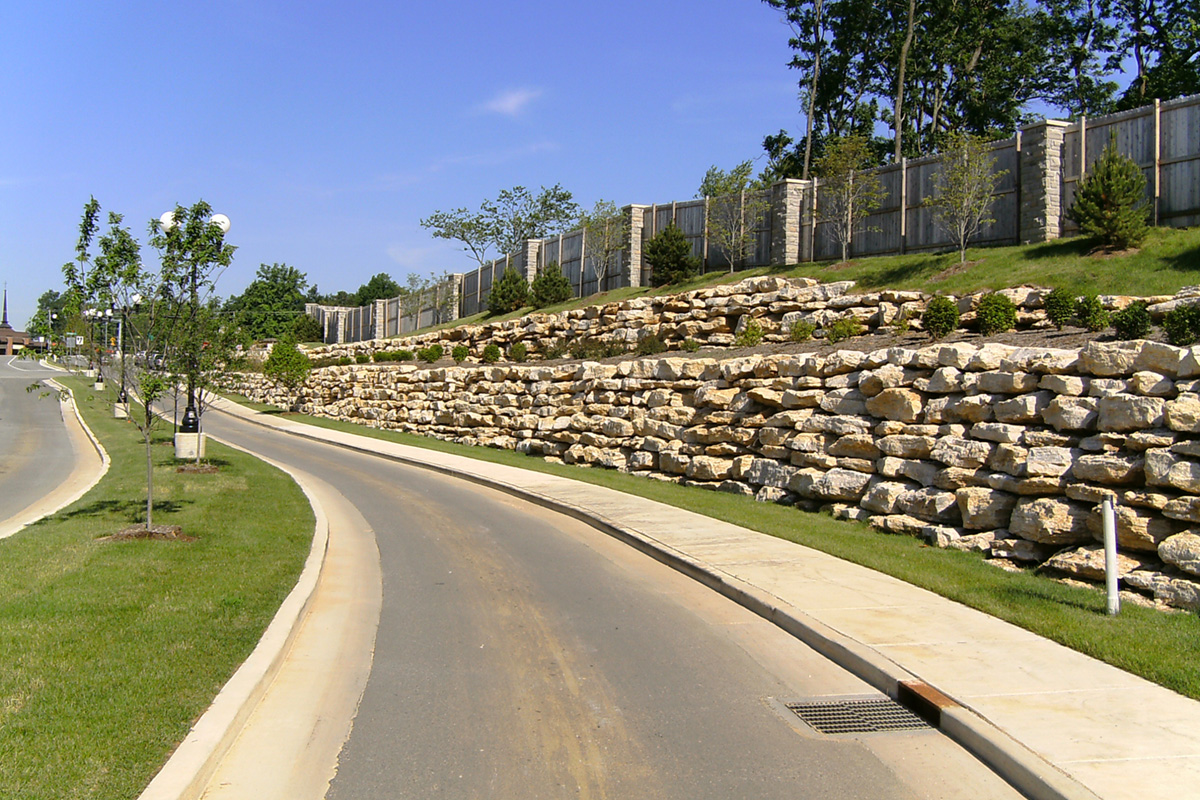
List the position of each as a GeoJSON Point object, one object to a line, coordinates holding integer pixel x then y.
{"type": "Point", "coordinates": [35, 452]}
{"type": "Point", "coordinates": [522, 654]}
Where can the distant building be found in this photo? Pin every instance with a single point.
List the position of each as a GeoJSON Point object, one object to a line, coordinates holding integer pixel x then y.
{"type": "Point", "coordinates": [11, 341]}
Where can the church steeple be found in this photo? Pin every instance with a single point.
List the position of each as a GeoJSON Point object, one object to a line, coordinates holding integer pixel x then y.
{"type": "Point", "coordinates": [5, 324]}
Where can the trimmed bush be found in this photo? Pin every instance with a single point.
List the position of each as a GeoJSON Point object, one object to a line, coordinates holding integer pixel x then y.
{"type": "Point", "coordinates": [940, 317]}
{"type": "Point", "coordinates": [995, 314]}
{"type": "Point", "coordinates": [1182, 325]}
{"type": "Point", "coordinates": [510, 293]}
{"type": "Point", "coordinates": [553, 351]}
{"type": "Point", "coordinates": [362, 358]}
{"type": "Point", "coordinates": [842, 329]}
{"type": "Point", "coordinates": [404, 355]}
{"type": "Point", "coordinates": [460, 353]}
{"type": "Point", "coordinates": [751, 335]}
{"type": "Point", "coordinates": [802, 331]}
{"type": "Point", "coordinates": [430, 354]}
{"type": "Point", "coordinates": [1110, 203]}
{"type": "Point", "coordinates": [1091, 314]}
{"type": "Point", "coordinates": [491, 354]}
{"type": "Point", "coordinates": [518, 351]}
{"type": "Point", "coordinates": [551, 286]}
{"type": "Point", "coordinates": [1133, 321]}
{"type": "Point", "coordinates": [650, 345]}
{"type": "Point", "coordinates": [1060, 306]}
{"type": "Point", "coordinates": [669, 256]}
{"type": "Point", "coordinates": [690, 345]}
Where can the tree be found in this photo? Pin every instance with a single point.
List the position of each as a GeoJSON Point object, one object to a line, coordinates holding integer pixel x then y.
{"type": "Point", "coordinates": [551, 286]}
{"type": "Point", "coordinates": [808, 35]}
{"type": "Point", "coordinates": [476, 231]}
{"type": "Point", "coordinates": [736, 204]}
{"type": "Point", "coordinates": [270, 305]}
{"type": "Point", "coordinates": [847, 195]}
{"type": "Point", "coordinates": [379, 287]}
{"type": "Point", "coordinates": [1110, 203]}
{"type": "Point", "coordinates": [965, 184]}
{"type": "Point", "coordinates": [509, 293]}
{"type": "Point", "coordinates": [669, 255]}
{"type": "Point", "coordinates": [288, 368]}
{"type": "Point", "coordinates": [605, 235]}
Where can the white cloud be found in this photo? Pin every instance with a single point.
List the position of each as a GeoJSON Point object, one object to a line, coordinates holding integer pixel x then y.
{"type": "Point", "coordinates": [512, 102]}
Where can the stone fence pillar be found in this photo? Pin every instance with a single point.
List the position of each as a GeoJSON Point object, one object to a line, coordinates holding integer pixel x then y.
{"type": "Point", "coordinates": [787, 220]}
{"type": "Point", "coordinates": [1040, 181]}
{"type": "Point", "coordinates": [636, 214]}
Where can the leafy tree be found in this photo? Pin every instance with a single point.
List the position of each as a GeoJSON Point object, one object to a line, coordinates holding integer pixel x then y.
{"type": "Point", "coordinates": [288, 368]}
{"type": "Point", "coordinates": [379, 287]}
{"type": "Point", "coordinates": [669, 256]}
{"type": "Point", "coordinates": [551, 286]}
{"type": "Point", "coordinates": [848, 195]}
{"type": "Point", "coordinates": [964, 189]}
{"type": "Point", "coordinates": [509, 293]}
{"type": "Point", "coordinates": [605, 235]}
{"type": "Point", "coordinates": [1110, 203]}
{"type": "Point", "coordinates": [736, 204]}
{"type": "Point", "coordinates": [271, 304]}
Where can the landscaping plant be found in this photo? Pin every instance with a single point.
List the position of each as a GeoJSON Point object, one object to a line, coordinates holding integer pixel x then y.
{"type": "Point", "coordinates": [1133, 321]}
{"type": "Point", "coordinates": [550, 286]}
{"type": "Point", "coordinates": [1110, 203]}
{"type": "Point", "coordinates": [669, 256]}
{"type": "Point", "coordinates": [510, 293]}
{"type": "Point", "coordinates": [940, 317]}
{"type": "Point", "coordinates": [1060, 306]}
{"type": "Point", "coordinates": [995, 314]}
{"type": "Point", "coordinates": [1091, 314]}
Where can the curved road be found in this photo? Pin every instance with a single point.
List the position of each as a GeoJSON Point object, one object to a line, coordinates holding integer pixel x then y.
{"type": "Point", "coordinates": [36, 452]}
{"type": "Point", "coordinates": [523, 654]}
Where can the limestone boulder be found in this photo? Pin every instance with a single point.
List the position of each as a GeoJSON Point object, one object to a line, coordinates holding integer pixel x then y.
{"type": "Point", "coordinates": [984, 509]}
{"type": "Point", "coordinates": [860, 445]}
{"type": "Point", "coordinates": [1071, 413]}
{"type": "Point", "coordinates": [930, 504]}
{"type": "Point", "coordinates": [1164, 468]}
{"type": "Point", "coordinates": [1054, 461]}
{"type": "Point", "coordinates": [955, 451]}
{"type": "Point", "coordinates": [1183, 413]}
{"type": "Point", "coordinates": [844, 402]}
{"type": "Point", "coordinates": [1007, 382]}
{"type": "Point", "coordinates": [841, 484]}
{"type": "Point", "coordinates": [1185, 509]}
{"type": "Point", "coordinates": [1021, 550]}
{"type": "Point", "coordinates": [1151, 384]}
{"type": "Point", "coordinates": [883, 497]}
{"type": "Point", "coordinates": [1049, 520]}
{"type": "Point", "coordinates": [1024, 409]}
{"type": "Point", "coordinates": [1180, 592]}
{"type": "Point", "coordinates": [1087, 562]}
{"type": "Point", "coordinates": [903, 446]}
{"type": "Point", "coordinates": [1110, 469]}
{"type": "Point", "coordinates": [904, 405]}
{"type": "Point", "coordinates": [1182, 551]}
{"type": "Point", "coordinates": [974, 542]}
{"type": "Point", "coordinates": [1110, 359]}
{"type": "Point", "coordinates": [1124, 413]}
{"type": "Point", "coordinates": [1138, 529]}
{"type": "Point", "coordinates": [709, 468]}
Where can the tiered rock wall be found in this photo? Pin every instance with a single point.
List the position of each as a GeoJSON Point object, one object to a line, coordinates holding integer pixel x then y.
{"type": "Point", "coordinates": [992, 448]}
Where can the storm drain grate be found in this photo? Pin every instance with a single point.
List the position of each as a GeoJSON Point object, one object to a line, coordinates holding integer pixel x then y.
{"type": "Point", "coordinates": [857, 716]}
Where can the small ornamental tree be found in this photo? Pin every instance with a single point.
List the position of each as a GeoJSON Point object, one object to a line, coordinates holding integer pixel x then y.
{"type": "Point", "coordinates": [605, 235]}
{"type": "Point", "coordinates": [508, 294]}
{"type": "Point", "coordinates": [551, 286]}
{"type": "Point", "coordinates": [965, 185]}
{"type": "Point", "coordinates": [736, 204]}
{"type": "Point", "coordinates": [846, 194]}
{"type": "Point", "coordinates": [1110, 203]}
{"type": "Point", "coordinates": [669, 256]}
{"type": "Point", "coordinates": [287, 367]}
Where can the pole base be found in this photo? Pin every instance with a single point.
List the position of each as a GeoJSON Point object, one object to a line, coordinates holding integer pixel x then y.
{"type": "Point", "coordinates": [187, 445]}
{"type": "Point", "coordinates": [121, 411]}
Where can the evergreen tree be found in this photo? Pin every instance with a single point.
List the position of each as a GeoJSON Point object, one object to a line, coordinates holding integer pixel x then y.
{"type": "Point", "coordinates": [551, 286]}
{"type": "Point", "coordinates": [669, 255]}
{"type": "Point", "coordinates": [1110, 203]}
{"type": "Point", "coordinates": [508, 294]}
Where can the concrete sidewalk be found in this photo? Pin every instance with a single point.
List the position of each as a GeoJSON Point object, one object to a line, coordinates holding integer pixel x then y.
{"type": "Point", "coordinates": [1053, 722]}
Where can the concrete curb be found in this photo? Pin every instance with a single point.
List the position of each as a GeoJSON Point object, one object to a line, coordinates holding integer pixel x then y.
{"type": "Point", "coordinates": [54, 502]}
{"type": "Point", "coordinates": [1015, 763]}
{"type": "Point", "coordinates": [188, 770]}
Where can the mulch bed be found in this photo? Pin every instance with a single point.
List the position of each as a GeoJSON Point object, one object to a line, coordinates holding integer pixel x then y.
{"type": "Point", "coordinates": [170, 533]}
{"type": "Point", "coordinates": [204, 469]}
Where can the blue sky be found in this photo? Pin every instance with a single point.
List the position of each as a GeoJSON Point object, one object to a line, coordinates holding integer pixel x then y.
{"type": "Point", "coordinates": [325, 130]}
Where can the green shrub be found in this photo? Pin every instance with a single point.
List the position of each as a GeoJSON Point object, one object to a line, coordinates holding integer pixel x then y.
{"type": "Point", "coordinates": [381, 356]}
{"type": "Point", "coordinates": [690, 345]}
{"type": "Point", "coordinates": [430, 354]}
{"type": "Point", "coordinates": [586, 348]}
{"type": "Point", "coordinates": [555, 350]}
{"type": "Point", "coordinates": [902, 324]}
{"type": "Point", "coordinates": [306, 329]}
{"type": "Point", "coordinates": [460, 353]}
{"type": "Point", "coordinates": [801, 331]}
{"type": "Point", "coordinates": [491, 354]}
{"type": "Point", "coordinates": [751, 335]}
{"type": "Point", "coordinates": [1060, 306]}
{"type": "Point", "coordinates": [551, 286]}
{"type": "Point", "coordinates": [518, 351]}
{"type": "Point", "coordinates": [404, 355]}
{"type": "Point", "coordinates": [842, 329]}
{"type": "Point", "coordinates": [1133, 321]}
{"type": "Point", "coordinates": [995, 314]}
{"type": "Point", "coordinates": [344, 361]}
{"type": "Point", "coordinates": [1182, 325]}
{"type": "Point", "coordinates": [940, 317]}
{"type": "Point", "coordinates": [362, 358]}
{"type": "Point", "coordinates": [650, 345]}
{"type": "Point", "coordinates": [669, 256]}
{"type": "Point", "coordinates": [1091, 314]}
{"type": "Point", "coordinates": [1110, 203]}
{"type": "Point", "coordinates": [509, 293]}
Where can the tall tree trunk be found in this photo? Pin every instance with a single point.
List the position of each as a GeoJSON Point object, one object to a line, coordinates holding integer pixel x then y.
{"type": "Point", "coordinates": [898, 112]}
{"type": "Point", "coordinates": [149, 481]}
{"type": "Point", "coordinates": [818, 43]}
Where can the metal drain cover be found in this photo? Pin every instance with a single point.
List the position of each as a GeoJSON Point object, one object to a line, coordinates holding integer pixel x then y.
{"type": "Point", "coordinates": [857, 715]}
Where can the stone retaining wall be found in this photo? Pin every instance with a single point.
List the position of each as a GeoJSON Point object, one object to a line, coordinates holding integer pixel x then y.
{"type": "Point", "coordinates": [992, 448]}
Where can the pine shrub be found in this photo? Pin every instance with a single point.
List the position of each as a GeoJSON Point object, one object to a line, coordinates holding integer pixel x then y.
{"type": "Point", "coordinates": [1060, 306]}
{"type": "Point", "coordinates": [404, 355]}
{"type": "Point", "coordinates": [491, 354]}
{"type": "Point", "coordinates": [842, 329]}
{"type": "Point", "coordinates": [801, 331]}
{"type": "Point", "coordinates": [1182, 325]}
{"type": "Point", "coordinates": [551, 286]}
{"type": "Point", "coordinates": [690, 345]}
{"type": "Point", "coordinates": [996, 314]}
{"type": "Point", "coordinates": [510, 293]}
{"type": "Point", "coordinates": [430, 354]}
{"type": "Point", "coordinates": [650, 345]}
{"type": "Point", "coordinates": [518, 352]}
{"type": "Point", "coordinates": [940, 317]}
{"type": "Point", "coordinates": [1091, 314]}
{"type": "Point", "coordinates": [751, 335]}
{"type": "Point", "coordinates": [460, 353]}
{"type": "Point", "coordinates": [1110, 203]}
{"type": "Point", "coordinates": [362, 358]}
{"type": "Point", "coordinates": [669, 256]}
{"type": "Point", "coordinates": [1133, 321]}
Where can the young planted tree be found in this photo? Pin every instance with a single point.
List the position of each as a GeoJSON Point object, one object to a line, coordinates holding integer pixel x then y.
{"type": "Point", "coordinates": [963, 203]}
{"type": "Point", "coordinates": [669, 256]}
{"type": "Point", "coordinates": [847, 195]}
{"type": "Point", "coordinates": [736, 204]}
{"type": "Point", "coordinates": [288, 367]}
{"type": "Point", "coordinates": [1110, 203]}
{"type": "Point", "coordinates": [605, 235]}
{"type": "Point", "coordinates": [509, 293]}
{"type": "Point", "coordinates": [551, 286]}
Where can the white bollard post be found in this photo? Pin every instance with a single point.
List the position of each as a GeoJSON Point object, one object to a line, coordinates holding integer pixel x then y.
{"type": "Point", "coordinates": [1110, 555]}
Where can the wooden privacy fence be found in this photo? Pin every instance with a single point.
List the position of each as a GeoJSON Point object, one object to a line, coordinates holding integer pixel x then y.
{"type": "Point", "coordinates": [1040, 166]}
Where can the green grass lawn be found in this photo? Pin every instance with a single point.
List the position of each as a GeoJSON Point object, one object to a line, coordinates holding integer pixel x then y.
{"type": "Point", "coordinates": [113, 649]}
{"type": "Point", "coordinates": [1161, 647]}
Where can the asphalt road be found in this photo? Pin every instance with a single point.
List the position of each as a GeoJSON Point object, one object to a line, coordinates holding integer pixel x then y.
{"type": "Point", "coordinates": [523, 654]}
{"type": "Point", "coordinates": [35, 451]}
